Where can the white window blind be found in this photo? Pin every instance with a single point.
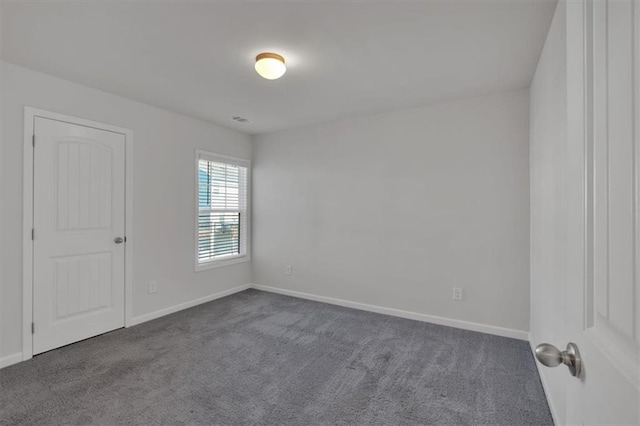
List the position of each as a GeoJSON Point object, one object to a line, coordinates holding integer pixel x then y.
{"type": "Point", "coordinates": [222, 232]}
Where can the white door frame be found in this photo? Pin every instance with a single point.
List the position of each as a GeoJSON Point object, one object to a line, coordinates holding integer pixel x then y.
{"type": "Point", "coordinates": [30, 115]}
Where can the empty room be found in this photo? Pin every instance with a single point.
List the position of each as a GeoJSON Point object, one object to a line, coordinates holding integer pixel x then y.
{"type": "Point", "coordinates": [320, 212]}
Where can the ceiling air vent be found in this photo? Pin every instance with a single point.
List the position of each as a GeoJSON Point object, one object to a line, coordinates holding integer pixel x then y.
{"type": "Point", "coordinates": [240, 119]}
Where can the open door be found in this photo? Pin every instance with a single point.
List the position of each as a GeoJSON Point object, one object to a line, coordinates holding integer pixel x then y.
{"type": "Point", "coordinates": [602, 182]}
{"type": "Point", "coordinates": [606, 325]}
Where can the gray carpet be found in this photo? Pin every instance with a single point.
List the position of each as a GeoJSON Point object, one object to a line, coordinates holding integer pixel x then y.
{"type": "Point", "coordinates": [260, 358]}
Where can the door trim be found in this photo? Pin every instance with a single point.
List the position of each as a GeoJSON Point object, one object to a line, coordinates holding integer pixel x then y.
{"type": "Point", "coordinates": [30, 115]}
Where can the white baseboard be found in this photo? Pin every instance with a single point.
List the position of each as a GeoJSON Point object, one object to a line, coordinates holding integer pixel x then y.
{"type": "Point", "coordinates": [545, 386]}
{"type": "Point", "coordinates": [10, 360]}
{"type": "Point", "coordinates": [175, 308]}
{"type": "Point", "coordinates": [466, 325]}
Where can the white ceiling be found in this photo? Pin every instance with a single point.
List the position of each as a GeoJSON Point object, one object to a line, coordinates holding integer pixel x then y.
{"type": "Point", "coordinates": [344, 58]}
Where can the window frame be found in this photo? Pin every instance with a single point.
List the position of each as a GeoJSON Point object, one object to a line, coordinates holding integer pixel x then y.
{"type": "Point", "coordinates": [230, 259]}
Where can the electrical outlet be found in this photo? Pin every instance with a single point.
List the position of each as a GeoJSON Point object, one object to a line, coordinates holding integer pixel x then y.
{"type": "Point", "coordinates": [153, 286]}
{"type": "Point", "coordinates": [288, 270]}
{"type": "Point", "coordinates": [457, 293]}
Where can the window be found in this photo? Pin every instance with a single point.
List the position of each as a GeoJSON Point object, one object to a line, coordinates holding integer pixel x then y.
{"type": "Point", "coordinates": [222, 231]}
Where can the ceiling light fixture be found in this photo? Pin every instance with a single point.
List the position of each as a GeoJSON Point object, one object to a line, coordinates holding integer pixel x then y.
{"type": "Point", "coordinates": [270, 65]}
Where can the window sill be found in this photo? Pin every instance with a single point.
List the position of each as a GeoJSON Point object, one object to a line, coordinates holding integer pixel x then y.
{"type": "Point", "coordinates": [222, 263]}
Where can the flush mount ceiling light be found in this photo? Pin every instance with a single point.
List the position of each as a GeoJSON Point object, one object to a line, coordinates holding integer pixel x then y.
{"type": "Point", "coordinates": [270, 65]}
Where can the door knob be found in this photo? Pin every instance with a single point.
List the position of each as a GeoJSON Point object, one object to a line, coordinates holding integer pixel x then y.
{"type": "Point", "coordinates": [551, 356]}
{"type": "Point", "coordinates": [118, 240]}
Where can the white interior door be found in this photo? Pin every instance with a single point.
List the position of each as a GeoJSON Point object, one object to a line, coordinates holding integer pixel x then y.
{"type": "Point", "coordinates": [603, 312]}
{"type": "Point", "coordinates": [79, 212]}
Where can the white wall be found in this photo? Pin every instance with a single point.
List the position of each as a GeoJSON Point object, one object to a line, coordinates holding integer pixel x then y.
{"type": "Point", "coordinates": [164, 173]}
{"type": "Point", "coordinates": [396, 209]}
{"type": "Point", "coordinates": [548, 153]}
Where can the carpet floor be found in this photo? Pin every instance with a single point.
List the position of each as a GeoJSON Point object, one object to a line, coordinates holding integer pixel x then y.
{"type": "Point", "coordinates": [266, 359]}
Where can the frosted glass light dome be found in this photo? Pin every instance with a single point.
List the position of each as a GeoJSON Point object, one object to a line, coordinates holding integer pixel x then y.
{"type": "Point", "coordinates": [270, 66]}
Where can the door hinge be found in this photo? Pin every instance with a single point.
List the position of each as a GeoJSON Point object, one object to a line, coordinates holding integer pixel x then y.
{"type": "Point", "coordinates": [33, 234]}
{"type": "Point", "coordinates": [33, 140]}
{"type": "Point", "coordinates": [33, 328]}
